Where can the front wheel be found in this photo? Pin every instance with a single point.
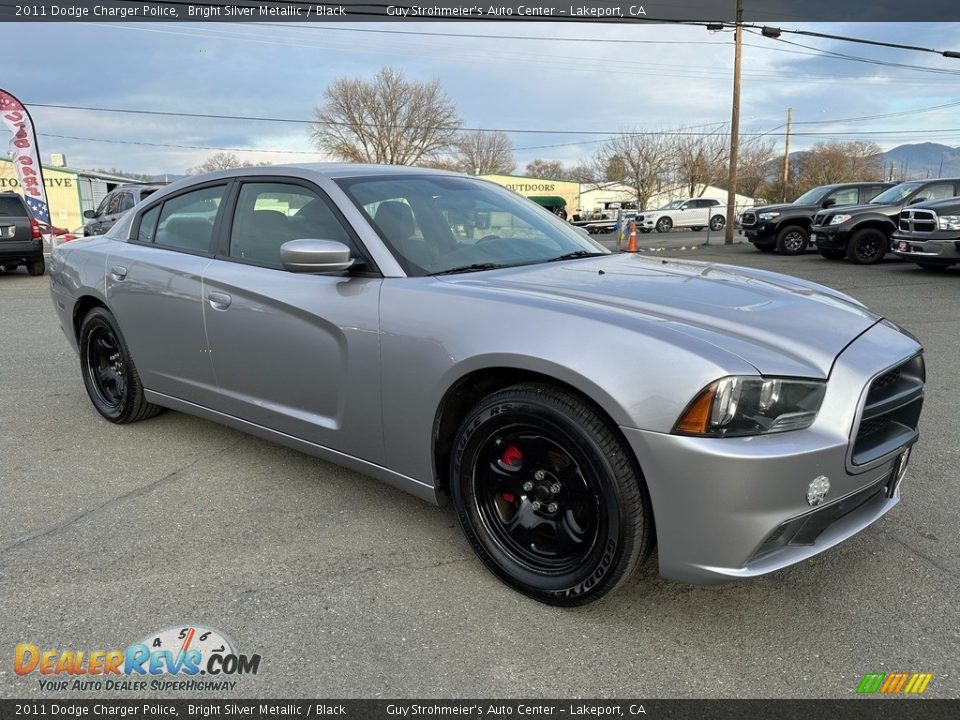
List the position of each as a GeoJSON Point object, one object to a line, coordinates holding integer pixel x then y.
{"type": "Point", "coordinates": [867, 246]}
{"type": "Point", "coordinates": [664, 225]}
{"type": "Point", "coordinates": [109, 375]}
{"type": "Point", "coordinates": [792, 240]}
{"type": "Point", "coordinates": [549, 495]}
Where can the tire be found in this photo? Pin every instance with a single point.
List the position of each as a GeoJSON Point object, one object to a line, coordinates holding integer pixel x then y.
{"type": "Point", "coordinates": [664, 225]}
{"type": "Point", "coordinates": [697, 228]}
{"type": "Point", "coordinates": [792, 240]}
{"type": "Point", "coordinates": [109, 375]}
{"type": "Point", "coordinates": [830, 254]}
{"type": "Point", "coordinates": [37, 267]}
{"type": "Point", "coordinates": [867, 246]}
{"type": "Point", "coordinates": [717, 222]}
{"type": "Point", "coordinates": [549, 495]}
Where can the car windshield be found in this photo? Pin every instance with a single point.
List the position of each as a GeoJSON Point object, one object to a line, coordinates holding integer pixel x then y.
{"type": "Point", "coordinates": [813, 197]}
{"type": "Point", "coordinates": [673, 206]}
{"type": "Point", "coordinates": [895, 194]}
{"type": "Point", "coordinates": [437, 224]}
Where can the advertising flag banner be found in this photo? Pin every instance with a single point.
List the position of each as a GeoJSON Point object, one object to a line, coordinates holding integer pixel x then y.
{"type": "Point", "coordinates": [23, 151]}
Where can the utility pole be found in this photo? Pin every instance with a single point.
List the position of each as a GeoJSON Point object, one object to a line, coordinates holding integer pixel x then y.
{"type": "Point", "coordinates": [786, 157]}
{"type": "Point", "coordinates": [734, 129]}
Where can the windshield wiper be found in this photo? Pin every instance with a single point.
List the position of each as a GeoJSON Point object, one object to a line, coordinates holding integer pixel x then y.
{"type": "Point", "coordinates": [576, 254]}
{"type": "Point", "coordinates": [475, 267]}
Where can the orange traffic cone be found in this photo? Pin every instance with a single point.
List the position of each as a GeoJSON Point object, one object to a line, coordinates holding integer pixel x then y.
{"type": "Point", "coordinates": [632, 241]}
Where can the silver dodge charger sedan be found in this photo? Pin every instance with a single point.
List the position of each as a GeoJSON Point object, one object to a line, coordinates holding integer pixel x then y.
{"type": "Point", "coordinates": [455, 340]}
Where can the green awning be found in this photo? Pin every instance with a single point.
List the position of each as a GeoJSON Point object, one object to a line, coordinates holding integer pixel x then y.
{"type": "Point", "coordinates": [548, 201]}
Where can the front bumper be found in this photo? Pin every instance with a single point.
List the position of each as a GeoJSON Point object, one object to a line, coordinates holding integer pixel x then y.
{"type": "Point", "coordinates": [940, 246]}
{"type": "Point", "coordinates": [761, 233]}
{"type": "Point", "coordinates": [830, 237]}
{"type": "Point", "coordinates": [730, 508]}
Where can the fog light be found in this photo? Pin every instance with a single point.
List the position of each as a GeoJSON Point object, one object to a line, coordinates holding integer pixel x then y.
{"type": "Point", "coordinates": [817, 490]}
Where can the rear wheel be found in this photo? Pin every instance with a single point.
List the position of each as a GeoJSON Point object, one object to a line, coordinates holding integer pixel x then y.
{"type": "Point", "coordinates": [109, 375]}
{"type": "Point", "coordinates": [549, 495]}
{"type": "Point", "coordinates": [717, 222]}
{"type": "Point", "coordinates": [37, 267]}
{"type": "Point", "coordinates": [830, 254]}
{"type": "Point", "coordinates": [792, 240]}
{"type": "Point", "coordinates": [867, 246]}
{"type": "Point", "coordinates": [664, 224]}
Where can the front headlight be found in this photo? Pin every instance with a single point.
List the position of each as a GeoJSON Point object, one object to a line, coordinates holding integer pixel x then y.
{"type": "Point", "coordinates": [747, 405]}
{"type": "Point", "coordinates": [949, 222]}
{"type": "Point", "coordinates": [768, 215]}
{"type": "Point", "coordinates": [837, 219]}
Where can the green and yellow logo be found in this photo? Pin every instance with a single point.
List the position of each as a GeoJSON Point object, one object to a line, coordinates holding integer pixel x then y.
{"type": "Point", "coordinates": [894, 683]}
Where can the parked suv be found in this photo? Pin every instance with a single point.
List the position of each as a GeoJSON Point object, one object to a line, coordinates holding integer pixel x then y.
{"type": "Point", "coordinates": [114, 205]}
{"type": "Point", "coordinates": [21, 242]}
{"type": "Point", "coordinates": [786, 228]}
{"type": "Point", "coordinates": [929, 234]}
{"type": "Point", "coordinates": [864, 232]}
{"type": "Point", "coordinates": [695, 213]}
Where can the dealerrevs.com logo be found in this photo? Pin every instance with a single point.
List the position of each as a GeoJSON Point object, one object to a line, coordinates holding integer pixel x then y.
{"type": "Point", "coordinates": [184, 658]}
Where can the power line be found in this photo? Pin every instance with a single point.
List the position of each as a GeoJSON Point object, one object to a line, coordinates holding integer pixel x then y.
{"type": "Point", "coordinates": [172, 145]}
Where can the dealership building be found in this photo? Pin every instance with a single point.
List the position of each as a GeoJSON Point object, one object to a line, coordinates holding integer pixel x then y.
{"type": "Point", "coordinates": [69, 191]}
{"type": "Point", "coordinates": [552, 194]}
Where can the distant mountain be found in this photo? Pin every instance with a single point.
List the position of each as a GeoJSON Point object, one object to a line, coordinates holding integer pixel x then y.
{"type": "Point", "coordinates": [924, 160]}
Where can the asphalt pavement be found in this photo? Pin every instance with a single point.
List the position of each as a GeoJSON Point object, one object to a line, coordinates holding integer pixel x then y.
{"type": "Point", "coordinates": [348, 588]}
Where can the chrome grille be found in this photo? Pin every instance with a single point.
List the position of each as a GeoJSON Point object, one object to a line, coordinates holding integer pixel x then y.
{"type": "Point", "coordinates": [918, 221]}
{"type": "Point", "coordinates": [890, 412]}
{"type": "Point", "coordinates": [748, 218]}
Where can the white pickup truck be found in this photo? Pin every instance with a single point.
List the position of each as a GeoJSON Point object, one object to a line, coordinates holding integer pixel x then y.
{"type": "Point", "coordinates": [696, 213]}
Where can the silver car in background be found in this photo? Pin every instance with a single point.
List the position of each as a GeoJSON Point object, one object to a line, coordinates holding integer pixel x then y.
{"type": "Point", "coordinates": [455, 340]}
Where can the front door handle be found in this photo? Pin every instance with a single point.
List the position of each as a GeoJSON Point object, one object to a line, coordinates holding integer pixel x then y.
{"type": "Point", "coordinates": [219, 301]}
{"type": "Point", "coordinates": [117, 272]}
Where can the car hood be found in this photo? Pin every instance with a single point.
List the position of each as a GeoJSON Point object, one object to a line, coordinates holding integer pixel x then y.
{"type": "Point", "coordinates": [782, 207]}
{"type": "Point", "coordinates": [781, 325]}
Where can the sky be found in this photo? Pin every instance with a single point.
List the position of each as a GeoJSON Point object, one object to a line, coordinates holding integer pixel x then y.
{"type": "Point", "coordinates": [569, 79]}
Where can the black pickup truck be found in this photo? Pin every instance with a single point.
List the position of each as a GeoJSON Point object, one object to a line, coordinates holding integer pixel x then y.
{"type": "Point", "coordinates": [864, 233]}
{"type": "Point", "coordinates": [786, 228]}
{"type": "Point", "coordinates": [929, 234]}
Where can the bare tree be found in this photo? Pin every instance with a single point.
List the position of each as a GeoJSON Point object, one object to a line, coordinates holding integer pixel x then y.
{"type": "Point", "coordinates": [484, 153]}
{"type": "Point", "coordinates": [387, 120]}
{"type": "Point", "coordinates": [637, 160]}
{"type": "Point", "coordinates": [699, 159]}
{"type": "Point", "coordinates": [552, 169]}
{"type": "Point", "coordinates": [755, 165]}
{"type": "Point", "coordinates": [219, 161]}
{"type": "Point", "coordinates": [833, 162]}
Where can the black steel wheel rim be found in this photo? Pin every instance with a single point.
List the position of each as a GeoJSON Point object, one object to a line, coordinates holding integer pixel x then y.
{"type": "Point", "coordinates": [870, 247]}
{"type": "Point", "coordinates": [538, 501]}
{"type": "Point", "coordinates": [793, 241]}
{"type": "Point", "coordinates": [104, 366]}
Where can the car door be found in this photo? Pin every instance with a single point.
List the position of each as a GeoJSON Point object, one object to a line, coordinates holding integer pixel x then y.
{"type": "Point", "coordinates": [694, 214]}
{"type": "Point", "coordinates": [154, 288]}
{"type": "Point", "coordinates": [108, 209]}
{"type": "Point", "coordinates": [295, 352]}
{"type": "Point", "coordinates": [842, 196]}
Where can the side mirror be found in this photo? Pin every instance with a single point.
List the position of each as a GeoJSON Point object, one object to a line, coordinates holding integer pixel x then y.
{"type": "Point", "coordinates": [829, 202]}
{"type": "Point", "coordinates": [916, 200]}
{"type": "Point", "coordinates": [89, 214]}
{"type": "Point", "coordinates": [315, 256]}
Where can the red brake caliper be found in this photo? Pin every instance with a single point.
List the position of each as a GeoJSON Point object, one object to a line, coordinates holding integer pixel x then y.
{"type": "Point", "coordinates": [511, 457]}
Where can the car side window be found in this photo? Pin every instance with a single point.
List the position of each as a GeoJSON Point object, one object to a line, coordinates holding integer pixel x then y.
{"type": "Point", "coordinates": [846, 196]}
{"type": "Point", "coordinates": [126, 202]}
{"type": "Point", "coordinates": [113, 204]}
{"type": "Point", "coordinates": [186, 221]}
{"type": "Point", "coordinates": [937, 191]}
{"type": "Point", "coordinates": [269, 214]}
{"type": "Point", "coordinates": [147, 231]}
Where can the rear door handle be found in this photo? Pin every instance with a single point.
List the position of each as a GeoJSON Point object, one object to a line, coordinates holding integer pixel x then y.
{"type": "Point", "coordinates": [219, 301]}
{"type": "Point", "coordinates": [118, 272]}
